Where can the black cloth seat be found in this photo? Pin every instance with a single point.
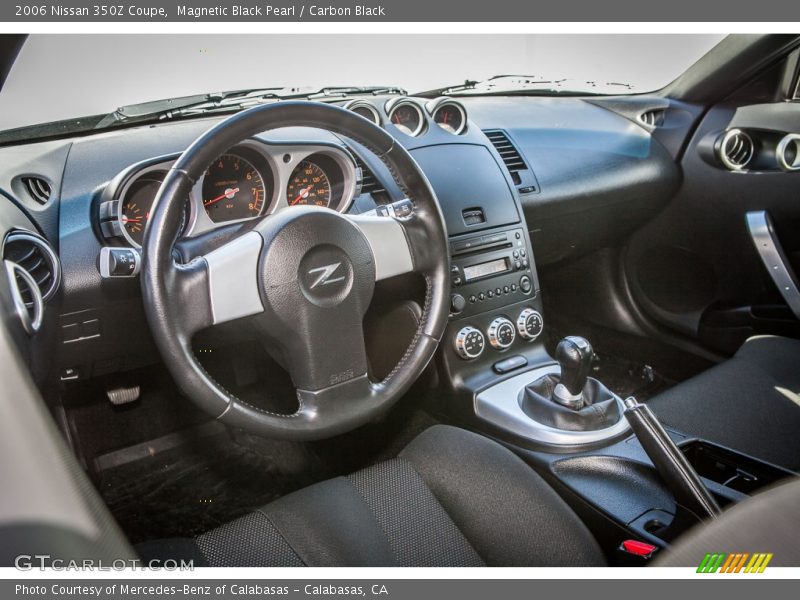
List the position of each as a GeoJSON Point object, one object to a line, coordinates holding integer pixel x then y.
{"type": "Point", "coordinates": [451, 498]}
{"type": "Point", "coordinates": [750, 403]}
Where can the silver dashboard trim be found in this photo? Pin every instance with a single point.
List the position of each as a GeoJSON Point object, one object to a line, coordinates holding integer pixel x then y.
{"type": "Point", "coordinates": [771, 253]}
{"type": "Point", "coordinates": [781, 152]}
{"type": "Point", "coordinates": [500, 405]}
{"type": "Point", "coordinates": [31, 321]}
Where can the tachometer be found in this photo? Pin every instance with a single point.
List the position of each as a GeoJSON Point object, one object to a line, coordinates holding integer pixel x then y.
{"type": "Point", "coordinates": [309, 184]}
{"type": "Point", "coordinates": [233, 189]}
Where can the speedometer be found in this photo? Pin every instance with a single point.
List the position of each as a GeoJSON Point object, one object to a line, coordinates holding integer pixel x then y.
{"type": "Point", "coordinates": [233, 189]}
{"type": "Point", "coordinates": [309, 184]}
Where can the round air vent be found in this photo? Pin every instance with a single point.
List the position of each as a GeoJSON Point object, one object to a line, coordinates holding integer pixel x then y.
{"type": "Point", "coordinates": [735, 149]}
{"type": "Point", "coordinates": [34, 254]}
{"type": "Point", "coordinates": [788, 152]}
{"type": "Point", "coordinates": [23, 286]}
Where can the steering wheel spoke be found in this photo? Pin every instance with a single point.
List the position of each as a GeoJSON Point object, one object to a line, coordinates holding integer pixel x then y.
{"type": "Point", "coordinates": [233, 279]}
{"type": "Point", "coordinates": [388, 238]}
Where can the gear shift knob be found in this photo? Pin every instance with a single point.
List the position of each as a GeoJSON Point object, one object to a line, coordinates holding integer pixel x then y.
{"type": "Point", "coordinates": [574, 354]}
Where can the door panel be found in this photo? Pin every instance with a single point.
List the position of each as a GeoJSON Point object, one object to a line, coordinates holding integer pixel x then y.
{"type": "Point", "coordinates": [695, 268]}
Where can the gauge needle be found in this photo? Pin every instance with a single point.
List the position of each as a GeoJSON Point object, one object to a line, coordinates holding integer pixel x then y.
{"type": "Point", "coordinates": [132, 220]}
{"type": "Point", "coordinates": [303, 194]}
{"type": "Point", "coordinates": [229, 193]}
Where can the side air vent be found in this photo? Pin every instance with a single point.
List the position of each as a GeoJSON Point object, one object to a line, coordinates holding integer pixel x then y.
{"type": "Point", "coordinates": [653, 118]}
{"type": "Point", "coordinates": [508, 152]}
{"type": "Point", "coordinates": [369, 183]}
{"type": "Point", "coordinates": [735, 149]}
{"type": "Point", "coordinates": [33, 254]}
{"type": "Point", "coordinates": [38, 188]}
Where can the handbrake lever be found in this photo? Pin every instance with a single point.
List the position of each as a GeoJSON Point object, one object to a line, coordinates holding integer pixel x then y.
{"type": "Point", "coordinates": [676, 471]}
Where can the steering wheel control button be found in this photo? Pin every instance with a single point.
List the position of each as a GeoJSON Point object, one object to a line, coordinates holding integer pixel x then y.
{"type": "Point", "coordinates": [457, 303]}
{"type": "Point", "coordinates": [510, 364]}
{"type": "Point", "coordinates": [119, 262]}
{"type": "Point", "coordinates": [469, 343]}
{"type": "Point", "coordinates": [501, 333]}
{"type": "Point", "coordinates": [530, 324]}
{"type": "Point", "coordinates": [525, 284]}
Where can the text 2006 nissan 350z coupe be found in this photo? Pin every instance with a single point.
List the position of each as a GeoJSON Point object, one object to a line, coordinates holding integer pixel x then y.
{"type": "Point", "coordinates": [519, 321]}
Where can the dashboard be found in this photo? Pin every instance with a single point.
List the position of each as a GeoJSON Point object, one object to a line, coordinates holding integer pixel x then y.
{"type": "Point", "coordinates": [510, 177]}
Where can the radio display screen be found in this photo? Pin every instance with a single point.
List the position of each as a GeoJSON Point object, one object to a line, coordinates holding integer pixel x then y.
{"type": "Point", "coordinates": [478, 271]}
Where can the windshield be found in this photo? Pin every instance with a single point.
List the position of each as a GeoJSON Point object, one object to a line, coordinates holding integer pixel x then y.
{"type": "Point", "coordinates": [60, 77]}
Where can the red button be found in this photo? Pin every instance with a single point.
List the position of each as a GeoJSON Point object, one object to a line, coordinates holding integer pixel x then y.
{"type": "Point", "coordinates": [638, 548]}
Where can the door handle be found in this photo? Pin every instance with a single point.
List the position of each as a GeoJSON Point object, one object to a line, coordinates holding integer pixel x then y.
{"type": "Point", "coordinates": [769, 249]}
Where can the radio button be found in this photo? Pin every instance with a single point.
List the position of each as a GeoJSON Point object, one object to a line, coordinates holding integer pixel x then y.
{"type": "Point", "coordinates": [525, 284]}
{"type": "Point", "coordinates": [457, 303]}
{"type": "Point", "coordinates": [501, 333]}
{"type": "Point", "coordinates": [530, 324]}
{"type": "Point", "coordinates": [469, 343]}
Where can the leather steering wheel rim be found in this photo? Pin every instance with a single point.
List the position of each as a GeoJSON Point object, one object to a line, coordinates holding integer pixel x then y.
{"type": "Point", "coordinates": [181, 299]}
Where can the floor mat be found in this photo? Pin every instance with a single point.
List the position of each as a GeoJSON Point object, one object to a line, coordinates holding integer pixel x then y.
{"type": "Point", "coordinates": [202, 484]}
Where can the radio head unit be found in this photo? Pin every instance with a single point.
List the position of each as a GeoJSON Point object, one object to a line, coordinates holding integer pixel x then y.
{"type": "Point", "coordinates": [492, 270]}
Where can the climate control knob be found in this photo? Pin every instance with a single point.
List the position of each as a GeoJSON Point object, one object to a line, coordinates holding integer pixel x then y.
{"type": "Point", "coordinates": [530, 324]}
{"type": "Point", "coordinates": [469, 343]}
{"type": "Point", "coordinates": [501, 333]}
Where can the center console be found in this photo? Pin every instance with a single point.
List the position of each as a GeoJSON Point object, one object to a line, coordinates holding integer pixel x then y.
{"type": "Point", "coordinates": [625, 484]}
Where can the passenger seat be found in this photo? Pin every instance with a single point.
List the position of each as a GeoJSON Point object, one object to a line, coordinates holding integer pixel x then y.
{"type": "Point", "coordinates": [750, 403]}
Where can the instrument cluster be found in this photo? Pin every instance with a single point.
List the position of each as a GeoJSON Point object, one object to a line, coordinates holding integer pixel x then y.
{"type": "Point", "coordinates": [412, 117]}
{"type": "Point", "coordinates": [246, 182]}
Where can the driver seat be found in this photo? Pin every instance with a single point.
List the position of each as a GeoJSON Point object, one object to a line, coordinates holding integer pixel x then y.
{"type": "Point", "coordinates": [451, 498]}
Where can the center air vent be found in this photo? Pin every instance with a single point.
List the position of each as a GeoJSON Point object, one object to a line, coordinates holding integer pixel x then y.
{"type": "Point", "coordinates": [735, 149]}
{"type": "Point", "coordinates": [36, 256]}
{"type": "Point", "coordinates": [653, 118]}
{"type": "Point", "coordinates": [369, 183]}
{"type": "Point", "coordinates": [508, 152]}
{"type": "Point", "coordinates": [38, 189]}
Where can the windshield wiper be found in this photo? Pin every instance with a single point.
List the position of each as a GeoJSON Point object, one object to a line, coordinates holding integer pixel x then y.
{"type": "Point", "coordinates": [528, 85]}
{"type": "Point", "coordinates": [231, 101]}
{"type": "Point", "coordinates": [172, 107]}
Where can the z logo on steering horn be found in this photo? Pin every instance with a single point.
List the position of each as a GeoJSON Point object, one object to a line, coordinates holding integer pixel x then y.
{"type": "Point", "coordinates": [325, 275]}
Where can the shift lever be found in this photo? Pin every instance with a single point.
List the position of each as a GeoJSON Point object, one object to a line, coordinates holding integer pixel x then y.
{"type": "Point", "coordinates": [574, 354]}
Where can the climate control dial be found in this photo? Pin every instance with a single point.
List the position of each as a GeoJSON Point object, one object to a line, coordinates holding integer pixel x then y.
{"type": "Point", "coordinates": [469, 343]}
{"type": "Point", "coordinates": [530, 324]}
{"type": "Point", "coordinates": [501, 333]}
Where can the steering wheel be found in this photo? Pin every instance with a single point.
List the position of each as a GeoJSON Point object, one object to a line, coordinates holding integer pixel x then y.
{"type": "Point", "coordinates": [304, 276]}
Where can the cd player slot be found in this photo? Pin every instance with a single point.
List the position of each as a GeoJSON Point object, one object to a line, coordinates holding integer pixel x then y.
{"type": "Point", "coordinates": [482, 250]}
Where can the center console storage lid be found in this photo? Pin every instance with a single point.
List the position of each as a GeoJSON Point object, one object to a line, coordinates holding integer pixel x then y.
{"type": "Point", "coordinates": [472, 190]}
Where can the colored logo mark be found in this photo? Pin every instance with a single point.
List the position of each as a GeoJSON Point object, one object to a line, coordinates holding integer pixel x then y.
{"type": "Point", "coordinates": [737, 562]}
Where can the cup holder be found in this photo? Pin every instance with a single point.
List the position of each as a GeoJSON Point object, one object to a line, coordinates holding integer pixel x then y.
{"type": "Point", "coordinates": [731, 469]}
